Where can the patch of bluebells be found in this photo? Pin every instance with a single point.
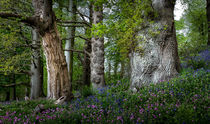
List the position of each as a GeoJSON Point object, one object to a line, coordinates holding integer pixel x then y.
{"type": "Point", "coordinates": [182, 100]}
{"type": "Point", "coordinates": [198, 61]}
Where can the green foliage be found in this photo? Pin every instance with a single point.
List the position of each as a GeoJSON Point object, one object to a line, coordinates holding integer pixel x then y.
{"type": "Point", "coordinates": [129, 18]}
{"type": "Point", "coordinates": [192, 28]}
{"type": "Point", "coordinates": [26, 107]}
{"type": "Point", "coordinates": [98, 30]}
{"type": "Point", "coordinates": [182, 100]}
{"type": "Point", "coordinates": [86, 91]}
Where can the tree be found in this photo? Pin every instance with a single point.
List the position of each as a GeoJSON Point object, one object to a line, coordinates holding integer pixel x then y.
{"type": "Point", "coordinates": [44, 21]}
{"type": "Point", "coordinates": [71, 36]}
{"type": "Point", "coordinates": [36, 67]}
{"type": "Point", "coordinates": [160, 60]}
{"type": "Point", "coordinates": [97, 53]}
{"type": "Point", "coordinates": [87, 49]}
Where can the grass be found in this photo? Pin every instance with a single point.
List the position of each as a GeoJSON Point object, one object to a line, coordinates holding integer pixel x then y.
{"type": "Point", "coordinates": [182, 100]}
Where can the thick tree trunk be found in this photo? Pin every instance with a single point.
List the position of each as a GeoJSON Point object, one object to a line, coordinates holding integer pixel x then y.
{"type": "Point", "coordinates": [36, 77]}
{"type": "Point", "coordinates": [160, 59]}
{"type": "Point", "coordinates": [70, 42]}
{"type": "Point", "coordinates": [97, 53]}
{"type": "Point", "coordinates": [58, 78]}
{"type": "Point", "coordinates": [208, 18]}
{"type": "Point", "coordinates": [87, 48]}
{"type": "Point", "coordinates": [86, 66]}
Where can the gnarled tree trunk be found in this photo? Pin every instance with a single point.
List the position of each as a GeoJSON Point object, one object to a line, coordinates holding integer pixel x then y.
{"type": "Point", "coordinates": [58, 78]}
{"type": "Point", "coordinates": [44, 21]}
{"type": "Point", "coordinates": [97, 53]}
{"type": "Point", "coordinates": [160, 59]}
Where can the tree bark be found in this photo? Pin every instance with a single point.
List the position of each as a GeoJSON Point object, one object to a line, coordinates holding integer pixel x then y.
{"type": "Point", "coordinates": [208, 19]}
{"type": "Point", "coordinates": [58, 78]}
{"type": "Point", "coordinates": [160, 60]}
{"type": "Point", "coordinates": [36, 67]}
{"type": "Point", "coordinates": [70, 42]}
{"type": "Point", "coordinates": [44, 21]}
{"type": "Point", "coordinates": [97, 53]}
{"type": "Point", "coordinates": [87, 48]}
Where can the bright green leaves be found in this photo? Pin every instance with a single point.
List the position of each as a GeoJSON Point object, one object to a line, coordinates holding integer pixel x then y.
{"type": "Point", "coordinates": [98, 3]}
{"type": "Point", "coordinates": [98, 30]}
{"type": "Point", "coordinates": [129, 19]}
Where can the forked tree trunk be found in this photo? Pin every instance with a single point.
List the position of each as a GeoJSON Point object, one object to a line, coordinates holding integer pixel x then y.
{"type": "Point", "coordinates": [160, 60]}
{"type": "Point", "coordinates": [58, 78]}
{"type": "Point", "coordinates": [36, 67]}
{"type": "Point", "coordinates": [208, 18]}
{"type": "Point", "coordinates": [97, 53]}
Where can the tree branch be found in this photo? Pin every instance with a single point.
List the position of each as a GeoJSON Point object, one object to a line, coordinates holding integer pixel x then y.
{"type": "Point", "coordinates": [28, 20]}
{"type": "Point", "coordinates": [83, 38]}
{"type": "Point", "coordinates": [86, 52]}
{"type": "Point", "coordinates": [16, 84]}
{"type": "Point", "coordinates": [79, 51]}
{"type": "Point", "coordinates": [71, 25]}
{"type": "Point", "coordinates": [73, 22]}
{"type": "Point", "coordinates": [82, 15]}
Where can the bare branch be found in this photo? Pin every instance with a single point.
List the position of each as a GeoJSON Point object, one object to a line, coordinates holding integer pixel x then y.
{"type": "Point", "coordinates": [86, 52]}
{"type": "Point", "coordinates": [79, 51]}
{"type": "Point", "coordinates": [73, 22]}
{"type": "Point", "coordinates": [70, 25]}
{"type": "Point", "coordinates": [77, 36]}
{"type": "Point", "coordinates": [83, 38]}
{"type": "Point", "coordinates": [82, 16]}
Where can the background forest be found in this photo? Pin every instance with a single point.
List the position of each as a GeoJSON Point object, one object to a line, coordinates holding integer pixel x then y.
{"type": "Point", "coordinates": [104, 61]}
